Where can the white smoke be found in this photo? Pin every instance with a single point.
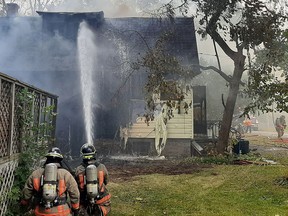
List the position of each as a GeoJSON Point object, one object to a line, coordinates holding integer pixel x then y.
{"type": "Point", "coordinates": [27, 54]}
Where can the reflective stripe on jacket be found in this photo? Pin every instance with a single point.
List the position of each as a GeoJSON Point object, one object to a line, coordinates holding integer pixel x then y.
{"type": "Point", "coordinates": [66, 185]}
{"type": "Point", "coordinates": [103, 178]}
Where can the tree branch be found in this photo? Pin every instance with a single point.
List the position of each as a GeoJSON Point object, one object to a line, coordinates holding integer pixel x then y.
{"type": "Point", "coordinates": [221, 42]}
{"type": "Point", "coordinates": [221, 73]}
{"type": "Point", "coordinates": [211, 29]}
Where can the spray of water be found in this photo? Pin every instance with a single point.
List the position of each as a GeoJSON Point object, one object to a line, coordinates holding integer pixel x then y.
{"type": "Point", "coordinates": [87, 56]}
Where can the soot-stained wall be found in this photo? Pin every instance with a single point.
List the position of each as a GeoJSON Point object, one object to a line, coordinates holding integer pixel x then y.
{"type": "Point", "coordinates": [53, 48]}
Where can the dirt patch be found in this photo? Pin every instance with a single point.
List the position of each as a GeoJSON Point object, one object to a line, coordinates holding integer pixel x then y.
{"type": "Point", "coordinates": [124, 170]}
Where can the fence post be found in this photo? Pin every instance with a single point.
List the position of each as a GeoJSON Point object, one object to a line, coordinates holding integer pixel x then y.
{"type": "Point", "coordinates": [39, 116]}
{"type": "Point", "coordinates": [11, 128]}
{"type": "Point", "coordinates": [54, 120]}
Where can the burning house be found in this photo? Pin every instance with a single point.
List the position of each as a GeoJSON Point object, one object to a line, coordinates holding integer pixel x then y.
{"type": "Point", "coordinates": [116, 96]}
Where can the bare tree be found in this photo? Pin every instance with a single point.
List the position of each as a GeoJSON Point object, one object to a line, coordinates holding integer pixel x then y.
{"type": "Point", "coordinates": [2, 8]}
{"type": "Point", "coordinates": [29, 7]}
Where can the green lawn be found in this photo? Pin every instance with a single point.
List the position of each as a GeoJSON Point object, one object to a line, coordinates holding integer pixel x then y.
{"type": "Point", "coordinates": [223, 190]}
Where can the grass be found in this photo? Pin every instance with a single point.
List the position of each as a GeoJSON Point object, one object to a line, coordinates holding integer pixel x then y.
{"type": "Point", "coordinates": [223, 190]}
{"type": "Point", "coordinates": [218, 191]}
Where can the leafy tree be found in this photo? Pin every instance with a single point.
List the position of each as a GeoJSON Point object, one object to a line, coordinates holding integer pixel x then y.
{"type": "Point", "coordinates": [269, 88]}
{"type": "Point", "coordinates": [237, 26]}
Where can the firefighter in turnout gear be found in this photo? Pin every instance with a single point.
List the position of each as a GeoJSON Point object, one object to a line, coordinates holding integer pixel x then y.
{"type": "Point", "coordinates": [92, 178]}
{"type": "Point", "coordinates": [280, 126]}
{"type": "Point", "coordinates": [48, 188]}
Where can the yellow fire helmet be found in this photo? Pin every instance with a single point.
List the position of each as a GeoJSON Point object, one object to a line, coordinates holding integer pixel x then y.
{"type": "Point", "coordinates": [54, 153]}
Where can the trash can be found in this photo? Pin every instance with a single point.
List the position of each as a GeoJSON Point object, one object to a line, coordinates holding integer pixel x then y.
{"type": "Point", "coordinates": [242, 147]}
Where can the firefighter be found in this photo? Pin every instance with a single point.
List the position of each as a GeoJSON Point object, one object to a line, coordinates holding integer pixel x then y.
{"type": "Point", "coordinates": [48, 188]}
{"type": "Point", "coordinates": [92, 178]}
{"type": "Point", "coordinates": [248, 125]}
{"type": "Point", "coordinates": [280, 125]}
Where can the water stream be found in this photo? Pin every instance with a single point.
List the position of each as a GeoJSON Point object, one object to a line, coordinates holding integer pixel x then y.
{"type": "Point", "coordinates": [86, 56]}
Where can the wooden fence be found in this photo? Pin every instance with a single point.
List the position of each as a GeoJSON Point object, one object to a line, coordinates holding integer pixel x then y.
{"type": "Point", "coordinates": [10, 131]}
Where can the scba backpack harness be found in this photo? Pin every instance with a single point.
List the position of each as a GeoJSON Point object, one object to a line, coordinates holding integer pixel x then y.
{"type": "Point", "coordinates": [50, 188]}
{"type": "Point", "coordinates": [91, 184]}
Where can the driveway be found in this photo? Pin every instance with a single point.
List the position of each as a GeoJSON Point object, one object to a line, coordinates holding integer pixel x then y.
{"type": "Point", "coordinates": [270, 134]}
{"type": "Point", "coordinates": [267, 143]}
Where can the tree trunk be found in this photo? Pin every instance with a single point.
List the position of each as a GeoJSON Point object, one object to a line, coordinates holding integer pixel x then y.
{"type": "Point", "coordinates": [230, 103]}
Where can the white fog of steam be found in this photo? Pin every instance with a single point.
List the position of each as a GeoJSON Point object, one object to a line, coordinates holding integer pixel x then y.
{"type": "Point", "coordinates": [87, 56]}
